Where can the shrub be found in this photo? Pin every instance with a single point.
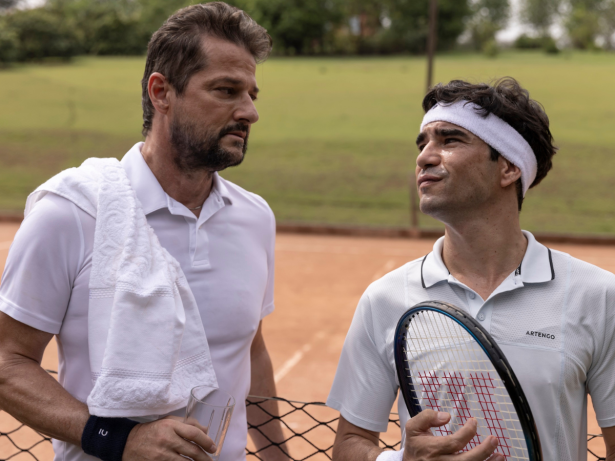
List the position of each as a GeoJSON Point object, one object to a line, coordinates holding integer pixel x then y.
{"type": "Point", "coordinates": [549, 46]}
{"type": "Point", "coordinates": [9, 45]}
{"type": "Point", "coordinates": [41, 34]}
{"type": "Point", "coordinates": [491, 49]}
{"type": "Point", "coordinates": [117, 36]}
{"type": "Point", "coordinates": [525, 42]}
{"type": "Point", "coordinates": [583, 27]}
{"type": "Point", "coordinates": [111, 33]}
{"type": "Point", "coordinates": [297, 26]}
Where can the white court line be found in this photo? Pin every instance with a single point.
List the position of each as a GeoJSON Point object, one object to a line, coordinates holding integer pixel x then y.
{"type": "Point", "coordinates": [5, 245]}
{"type": "Point", "coordinates": [340, 250]}
{"type": "Point", "coordinates": [388, 267]}
{"type": "Point", "coordinates": [291, 362]}
{"type": "Point", "coordinates": [297, 356]}
{"type": "Point", "coordinates": [295, 359]}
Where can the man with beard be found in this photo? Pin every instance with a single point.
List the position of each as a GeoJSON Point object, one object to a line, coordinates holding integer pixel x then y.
{"type": "Point", "coordinates": [198, 95]}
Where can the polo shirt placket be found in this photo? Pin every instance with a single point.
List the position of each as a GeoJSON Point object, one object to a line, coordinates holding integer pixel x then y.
{"type": "Point", "coordinates": [199, 240]}
{"type": "Point", "coordinates": [433, 271]}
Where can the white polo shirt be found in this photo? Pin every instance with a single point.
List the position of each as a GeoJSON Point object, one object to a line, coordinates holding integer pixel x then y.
{"type": "Point", "coordinates": [227, 255]}
{"type": "Point", "coordinates": [553, 317]}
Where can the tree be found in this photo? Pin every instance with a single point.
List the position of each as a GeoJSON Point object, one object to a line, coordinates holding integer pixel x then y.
{"type": "Point", "coordinates": [540, 14]}
{"type": "Point", "coordinates": [298, 26]}
{"type": "Point", "coordinates": [488, 17]}
{"type": "Point", "coordinates": [9, 45]}
{"type": "Point", "coordinates": [104, 27]}
{"type": "Point", "coordinates": [155, 12]}
{"type": "Point", "coordinates": [368, 15]}
{"type": "Point", "coordinates": [585, 22]}
{"type": "Point", "coordinates": [42, 34]}
{"type": "Point", "coordinates": [410, 24]}
{"type": "Point", "coordinates": [7, 4]}
{"type": "Point", "coordinates": [608, 18]}
{"type": "Point", "coordinates": [583, 27]}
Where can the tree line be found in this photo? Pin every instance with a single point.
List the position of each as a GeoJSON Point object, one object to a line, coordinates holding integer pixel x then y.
{"type": "Point", "coordinates": [61, 29]}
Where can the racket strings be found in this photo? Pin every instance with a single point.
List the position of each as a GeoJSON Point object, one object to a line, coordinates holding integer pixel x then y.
{"type": "Point", "coordinates": [451, 372]}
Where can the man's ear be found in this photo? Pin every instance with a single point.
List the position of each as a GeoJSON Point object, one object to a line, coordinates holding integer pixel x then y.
{"type": "Point", "coordinates": [159, 92]}
{"type": "Point", "coordinates": [509, 173]}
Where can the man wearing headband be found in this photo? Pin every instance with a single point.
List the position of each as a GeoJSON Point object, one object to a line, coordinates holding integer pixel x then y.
{"type": "Point", "coordinates": [481, 148]}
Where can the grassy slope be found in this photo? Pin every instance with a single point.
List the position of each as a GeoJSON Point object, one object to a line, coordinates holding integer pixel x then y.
{"type": "Point", "coordinates": [335, 140]}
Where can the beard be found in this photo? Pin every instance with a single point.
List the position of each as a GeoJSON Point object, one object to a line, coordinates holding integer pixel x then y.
{"type": "Point", "coordinates": [199, 149]}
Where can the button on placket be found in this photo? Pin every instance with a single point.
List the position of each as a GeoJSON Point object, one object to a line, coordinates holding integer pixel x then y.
{"type": "Point", "coordinates": [192, 231]}
{"type": "Point", "coordinates": [212, 205]}
{"type": "Point", "coordinates": [475, 303]}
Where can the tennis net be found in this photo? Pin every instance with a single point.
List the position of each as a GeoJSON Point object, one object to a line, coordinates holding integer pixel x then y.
{"type": "Point", "coordinates": [309, 432]}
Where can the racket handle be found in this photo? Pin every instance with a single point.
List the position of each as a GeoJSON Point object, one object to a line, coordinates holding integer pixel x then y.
{"type": "Point", "coordinates": [391, 456]}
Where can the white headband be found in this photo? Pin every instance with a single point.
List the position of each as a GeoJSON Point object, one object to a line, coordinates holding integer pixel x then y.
{"type": "Point", "coordinates": [491, 129]}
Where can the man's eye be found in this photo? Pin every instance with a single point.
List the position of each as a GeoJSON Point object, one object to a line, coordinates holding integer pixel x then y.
{"type": "Point", "coordinates": [421, 147]}
{"type": "Point", "coordinates": [226, 90]}
{"type": "Point", "coordinates": [450, 140]}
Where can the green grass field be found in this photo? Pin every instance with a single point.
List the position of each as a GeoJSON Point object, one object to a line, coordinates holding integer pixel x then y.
{"type": "Point", "coordinates": [335, 143]}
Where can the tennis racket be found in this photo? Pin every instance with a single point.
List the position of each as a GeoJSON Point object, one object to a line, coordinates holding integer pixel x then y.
{"type": "Point", "coordinates": [447, 361]}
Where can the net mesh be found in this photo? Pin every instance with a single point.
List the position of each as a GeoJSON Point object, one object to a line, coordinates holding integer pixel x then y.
{"type": "Point", "coordinates": [309, 431]}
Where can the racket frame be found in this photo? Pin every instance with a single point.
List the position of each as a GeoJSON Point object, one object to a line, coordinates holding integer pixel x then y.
{"type": "Point", "coordinates": [493, 352]}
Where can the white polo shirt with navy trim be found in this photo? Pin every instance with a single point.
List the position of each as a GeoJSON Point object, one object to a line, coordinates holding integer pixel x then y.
{"type": "Point", "coordinates": [553, 317]}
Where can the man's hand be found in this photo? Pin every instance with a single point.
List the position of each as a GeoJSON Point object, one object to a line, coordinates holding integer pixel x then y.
{"type": "Point", "coordinates": [166, 438]}
{"type": "Point", "coordinates": [422, 445]}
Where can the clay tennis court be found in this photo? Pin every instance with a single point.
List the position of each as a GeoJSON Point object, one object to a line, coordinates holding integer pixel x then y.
{"type": "Point", "coordinates": [319, 280]}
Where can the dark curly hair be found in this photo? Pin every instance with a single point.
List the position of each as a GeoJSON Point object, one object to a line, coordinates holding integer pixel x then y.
{"type": "Point", "coordinates": [508, 100]}
{"type": "Point", "coordinates": [176, 50]}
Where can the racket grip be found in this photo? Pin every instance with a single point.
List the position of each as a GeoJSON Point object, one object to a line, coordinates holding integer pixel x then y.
{"type": "Point", "coordinates": [391, 456]}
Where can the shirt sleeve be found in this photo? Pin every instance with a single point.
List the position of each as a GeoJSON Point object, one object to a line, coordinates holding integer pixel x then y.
{"type": "Point", "coordinates": [601, 375]}
{"type": "Point", "coordinates": [364, 388]}
{"type": "Point", "coordinates": [42, 264]}
{"type": "Point", "coordinates": [268, 304]}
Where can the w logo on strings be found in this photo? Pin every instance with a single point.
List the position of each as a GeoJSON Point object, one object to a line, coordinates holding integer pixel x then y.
{"type": "Point", "coordinates": [457, 395]}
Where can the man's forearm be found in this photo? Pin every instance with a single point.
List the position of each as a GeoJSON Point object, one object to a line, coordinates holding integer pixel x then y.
{"type": "Point", "coordinates": [263, 385]}
{"type": "Point", "coordinates": [355, 449]}
{"type": "Point", "coordinates": [355, 444]}
{"type": "Point", "coordinates": [31, 395]}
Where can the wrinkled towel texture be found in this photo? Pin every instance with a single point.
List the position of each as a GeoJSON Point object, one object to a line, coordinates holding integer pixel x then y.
{"type": "Point", "coordinates": [147, 344]}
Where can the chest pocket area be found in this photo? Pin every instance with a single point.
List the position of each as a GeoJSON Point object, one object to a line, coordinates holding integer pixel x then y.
{"type": "Point", "coordinates": [531, 316]}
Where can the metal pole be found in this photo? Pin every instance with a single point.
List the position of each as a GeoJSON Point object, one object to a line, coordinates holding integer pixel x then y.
{"type": "Point", "coordinates": [432, 40]}
{"type": "Point", "coordinates": [414, 212]}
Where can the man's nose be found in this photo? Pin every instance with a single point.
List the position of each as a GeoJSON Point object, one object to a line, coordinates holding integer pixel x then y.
{"type": "Point", "coordinates": [429, 156]}
{"type": "Point", "coordinates": [246, 111]}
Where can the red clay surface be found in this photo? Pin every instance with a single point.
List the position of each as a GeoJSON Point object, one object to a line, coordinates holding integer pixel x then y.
{"type": "Point", "coordinates": [319, 280]}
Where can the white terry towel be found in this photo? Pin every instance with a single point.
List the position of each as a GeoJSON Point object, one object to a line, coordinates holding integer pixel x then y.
{"type": "Point", "coordinates": [147, 344]}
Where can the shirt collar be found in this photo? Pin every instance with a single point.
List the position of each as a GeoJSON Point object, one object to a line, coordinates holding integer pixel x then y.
{"type": "Point", "coordinates": [536, 267]}
{"type": "Point", "coordinates": [537, 264]}
{"type": "Point", "coordinates": [149, 191]}
{"type": "Point", "coordinates": [220, 188]}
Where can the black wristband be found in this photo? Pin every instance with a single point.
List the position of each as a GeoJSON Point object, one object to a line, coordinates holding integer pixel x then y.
{"type": "Point", "coordinates": [105, 438]}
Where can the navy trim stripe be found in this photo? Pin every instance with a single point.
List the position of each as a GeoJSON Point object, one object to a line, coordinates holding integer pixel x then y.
{"type": "Point", "coordinates": [422, 279]}
{"type": "Point", "coordinates": [551, 263]}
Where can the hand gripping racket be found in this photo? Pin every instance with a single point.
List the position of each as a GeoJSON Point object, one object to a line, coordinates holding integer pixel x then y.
{"type": "Point", "coordinates": [446, 361]}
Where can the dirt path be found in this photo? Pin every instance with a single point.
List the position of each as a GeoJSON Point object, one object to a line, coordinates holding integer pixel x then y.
{"type": "Point", "coordinates": [319, 280]}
